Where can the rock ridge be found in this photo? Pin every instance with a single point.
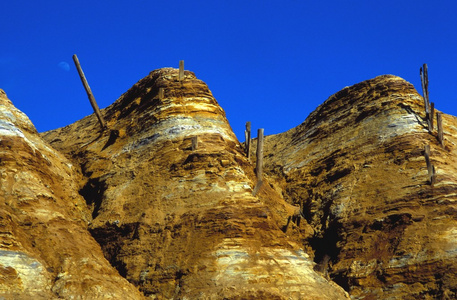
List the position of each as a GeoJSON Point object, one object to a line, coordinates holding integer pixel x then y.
{"type": "Point", "coordinates": [178, 218]}
{"type": "Point", "coordinates": [161, 203]}
{"type": "Point", "coordinates": [46, 251]}
{"type": "Point", "coordinates": [356, 167]}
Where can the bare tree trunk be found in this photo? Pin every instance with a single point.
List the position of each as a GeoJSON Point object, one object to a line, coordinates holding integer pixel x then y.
{"type": "Point", "coordinates": [247, 134]}
{"type": "Point", "coordinates": [89, 92]}
{"type": "Point", "coordinates": [181, 70]}
{"type": "Point", "coordinates": [259, 162]}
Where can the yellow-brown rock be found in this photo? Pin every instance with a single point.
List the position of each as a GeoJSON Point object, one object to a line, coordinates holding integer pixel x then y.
{"type": "Point", "coordinates": [46, 251]}
{"type": "Point", "coordinates": [177, 218]}
{"type": "Point", "coordinates": [356, 166]}
{"type": "Point", "coordinates": [167, 192]}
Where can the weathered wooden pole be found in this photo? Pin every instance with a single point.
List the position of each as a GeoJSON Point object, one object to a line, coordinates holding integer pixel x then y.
{"type": "Point", "coordinates": [259, 162]}
{"type": "Point", "coordinates": [432, 113]}
{"type": "Point", "coordinates": [89, 92]}
{"type": "Point", "coordinates": [259, 159]}
{"type": "Point", "coordinates": [194, 143]}
{"type": "Point", "coordinates": [439, 123]}
{"type": "Point", "coordinates": [424, 81]}
{"type": "Point", "coordinates": [430, 167]}
{"type": "Point", "coordinates": [257, 187]}
{"type": "Point", "coordinates": [161, 94]}
{"type": "Point", "coordinates": [181, 70]}
{"type": "Point", "coordinates": [247, 134]}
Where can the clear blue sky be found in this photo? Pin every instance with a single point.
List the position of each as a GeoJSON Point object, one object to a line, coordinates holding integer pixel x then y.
{"type": "Point", "coordinates": [269, 62]}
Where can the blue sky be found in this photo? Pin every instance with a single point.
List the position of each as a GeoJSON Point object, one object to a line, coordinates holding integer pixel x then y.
{"type": "Point", "coordinates": [268, 62]}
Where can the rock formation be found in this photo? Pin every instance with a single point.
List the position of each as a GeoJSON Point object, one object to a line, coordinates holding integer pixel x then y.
{"type": "Point", "coordinates": [46, 251]}
{"type": "Point", "coordinates": [177, 218]}
{"type": "Point", "coordinates": [356, 166]}
{"type": "Point", "coordinates": [161, 203]}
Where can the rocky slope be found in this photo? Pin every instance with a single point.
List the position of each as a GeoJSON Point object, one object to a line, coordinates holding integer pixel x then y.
{"type": "Point", "coordinates": [178, 219]}
{"type": "Point", "coordinates": [46, 251]}
{"type": "Point", "coordinates": [161, 203]}
{"type": "Point", "coordinates": [356, 167]}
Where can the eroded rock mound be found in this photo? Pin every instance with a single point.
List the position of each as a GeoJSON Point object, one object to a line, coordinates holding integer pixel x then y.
{"type": "Point", "coordinates": [170, 191]}
{"type": "Point", "coordinates": [167, 192]}
{"type": "Point", "coordinates": [356, 167]}
{"type": "Point", "coordinates": [46, 251]}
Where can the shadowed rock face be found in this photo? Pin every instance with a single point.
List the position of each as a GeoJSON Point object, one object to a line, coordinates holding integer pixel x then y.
{"type": "Point", "coordinates": [180, 221]}
{"type": "Point", "coordinates": [356, 167]}
{"type": "Point", "coordinates": [46, 251]}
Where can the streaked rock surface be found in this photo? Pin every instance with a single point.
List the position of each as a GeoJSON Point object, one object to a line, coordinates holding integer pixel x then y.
{"type": "Point", "coordinates": [356, 166]}
{"type": "Point", "coordinates": [178, 221]}
{"type": "Point", "coordinates": [46, 251]}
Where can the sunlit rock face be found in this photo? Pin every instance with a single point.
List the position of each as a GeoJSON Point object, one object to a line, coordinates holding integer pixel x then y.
{"type": "Point", "coordinates": [46, 251]}
{"type": "Point", "coordinates": [167, 192]}
{"type": "Point", "coordinates": [356, 166]}
{"type": "Point", "coordinates": [178, 219]}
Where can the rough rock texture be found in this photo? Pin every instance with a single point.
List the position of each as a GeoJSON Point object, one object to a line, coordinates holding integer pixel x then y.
{"type": "Point", "coordinates": [180, 221]}
{"type": "Point", "coordinates": [46, 251]}
{"type": "Point", "coordinates": [356, 167]}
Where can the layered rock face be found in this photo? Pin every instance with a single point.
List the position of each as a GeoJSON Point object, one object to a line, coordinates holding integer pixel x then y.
{"type": "Point", "coordinates": [46, 251]}
{"type": "Point", "coordinates": [170, 192]}
{"type": "Point", "coordinates": [356, 167]}
{"type": "Point", "coordinates": [161, 203]}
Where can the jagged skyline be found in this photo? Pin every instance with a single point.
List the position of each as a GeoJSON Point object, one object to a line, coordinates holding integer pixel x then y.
{"type": "Point", "coordinates": [269, 62]}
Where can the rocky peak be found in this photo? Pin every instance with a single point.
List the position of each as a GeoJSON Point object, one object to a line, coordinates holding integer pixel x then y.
{"type": "Point", "coordinates": [178, 218]}
{"type": "Point", "coordinates": [13, 121]}
{"type": "Point", "coordinates": [187, 107]}
{"type": "Point", "coordinates": [356, 166]}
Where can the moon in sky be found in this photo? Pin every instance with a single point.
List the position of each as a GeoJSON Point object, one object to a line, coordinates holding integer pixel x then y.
{"type": "Point", "coordinates": [64, 66]}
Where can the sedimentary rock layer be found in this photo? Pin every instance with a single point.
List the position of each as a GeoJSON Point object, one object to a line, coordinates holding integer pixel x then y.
{"type": "Point", "coordinates": [171, 196]}
{"type": "Point", "coordinates": [167, 192]}
{"type": "Point", "coordinates": [46, 251]}
{"type": "Point", "coordinates": [356, 167]}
